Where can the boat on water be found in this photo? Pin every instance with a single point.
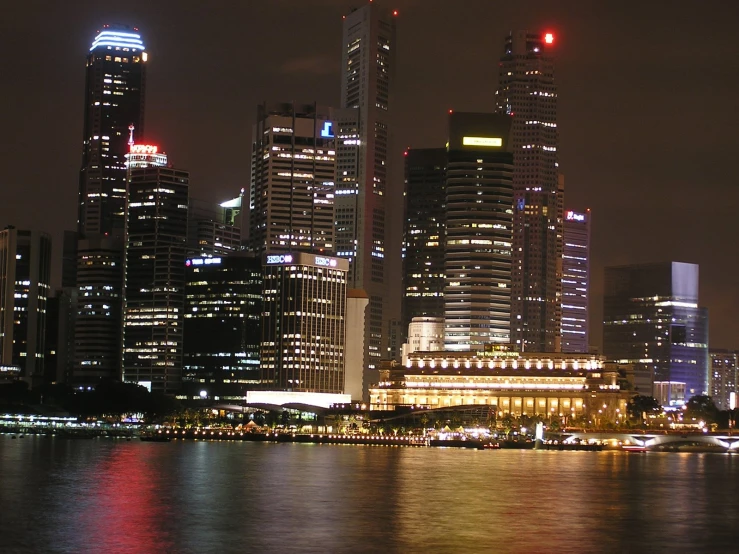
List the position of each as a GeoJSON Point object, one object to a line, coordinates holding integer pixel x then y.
{"type": "Point", "coordinates": [633, 448]}
{"type": "Point", "coordinates": [155, 438]}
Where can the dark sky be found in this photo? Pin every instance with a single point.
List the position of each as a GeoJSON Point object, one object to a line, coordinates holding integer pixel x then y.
{"type": "Point", "coordinates": [648, 113]}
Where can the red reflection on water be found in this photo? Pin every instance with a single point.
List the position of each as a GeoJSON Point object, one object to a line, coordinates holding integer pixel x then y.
{"type": "Point", "coordinates": [125, 511]}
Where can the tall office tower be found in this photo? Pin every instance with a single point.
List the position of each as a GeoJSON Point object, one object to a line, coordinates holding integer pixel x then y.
{"type": "Point", "coordinates": [651, 316]}
{"type": "Point", "coordinates": [303, 322]}
{"type": "Point", "coordinates": [97, 326]}
{"type": "Point", "coordinates": [424, 234]}
{"type": "Point", "coordinates": [211, 230]}
{"type": "Point", "coordinates": [223, 310]}
{"type": "Point", "coordinates": [292, 180]}
{"type": "Point", "coordinates": [25, 270]}
{"type": "Point", "coordinates": [114, 100]}
{"type": "Point", "coordinates": [527, 93]}
{"type": "Point", "coordinates": [59, 344]}
{"type": "Point", "coordinates": [479, 219]}
{"type": "Point", "coordinates": [156, 244]}
{"type": "Point", "coordinates": [575, 281]}
{"type": "Point", "coordinates": [723, 378]}
{"type": "Point", "coordinates": [366, 200]}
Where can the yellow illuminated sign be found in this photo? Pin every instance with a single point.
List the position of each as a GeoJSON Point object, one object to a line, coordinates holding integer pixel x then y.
{"type": "Point", "coordinates": [482, 141]}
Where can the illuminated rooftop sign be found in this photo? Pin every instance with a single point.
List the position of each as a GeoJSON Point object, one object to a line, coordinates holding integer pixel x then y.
{"type": "Point", "coordinates": [203, 261]}
{"type": "Point", "coordinates": [574, 216]}
{"type": "Point", "coordinates": [328, 130]}
{"type": "Point", "coordinates": [279, 259]}
{"type": "Point", "coordinates": [119, 39]}
{"type": "Point", "coordinates": [144, 149]}
{"type": "Point", "coordinates": [482, 141]}
{"type": "Point", "coordinates": [306, 259]}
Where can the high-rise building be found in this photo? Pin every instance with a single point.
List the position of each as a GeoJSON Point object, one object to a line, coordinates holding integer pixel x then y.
{"type": "Point", "coordinates": [479, 218]}
{"type": "Point", "coordinates": [303, 322]}
{"type": "Point", "coordinates": [292, 180]}
{"type": "Point", "coordinates": [575, 281]}
{"type": "Point", "coordinates": [97, 325]}
{"type": "Point", "coordinates": [114, 100]}
{"type": "Point", "coordinates": [723, 378]}
{"type": "Point", "coordinates": [356, 315]}
{"type": "Point", "coordinates": [223, 311]}
{"type": "Point", "coordinates": [366, 200]}
{"type": "Point", "coordinates": [527, 93]}
{"type": "Point", "coordinates": [424, 233]}
{"type": "Point", "coordinates": [25, 270]}
{"type": "Point", "coordinates": [211, 230]}
{"type": "Point", "coordinates": [652, 317]}
{"type": "Point", "coordinates": [156, 244]}
{"type": "Point", "coordinates": [61, 310]}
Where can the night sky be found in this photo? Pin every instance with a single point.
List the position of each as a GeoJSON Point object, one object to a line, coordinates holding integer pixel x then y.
{"type": "Point", "coordinates": [648, 111]}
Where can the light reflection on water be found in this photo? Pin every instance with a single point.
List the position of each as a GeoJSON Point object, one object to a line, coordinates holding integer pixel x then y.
{"type": "Point", "coordinates": [112, 496]}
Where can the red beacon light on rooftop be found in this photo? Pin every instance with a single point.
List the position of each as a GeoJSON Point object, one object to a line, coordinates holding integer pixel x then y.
{"type": "Point", "coordinates": [395, 12]}
{"type": "Point", "coordinates": [549, 38]}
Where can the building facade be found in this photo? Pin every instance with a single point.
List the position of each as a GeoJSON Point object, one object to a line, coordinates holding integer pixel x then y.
{"type": "Point", "coordinates": [425, 334]}
{"type": "Point", "coordinates": [97, 325]}
{"type": "Point", "coordinates": [156, 244]}
{"type": "Point", "coordinates": [303, 322]}
{"type": "Point", "coordinates": [115, 88]}
{"type": "Point", "coordinates": [211, 230]}
{"type": "Point", "coordinates": [25, 274]}
{"type": "Point", "coordinates": [365, 198]}
{"type": "Point", "coordinates": [723, 380]}
{"type": "Point", "coordinates": [424, 234]}
{"type": "Point", "coordinates": [558, 386]}
{"type": "Point", "coordinates": [528, 94]}
{"type": "Point", "coordinates": [292, 182]}
{"type": "Point", "coordinates": [479, 218]}
{"type": "Point", "coordinates": [222, 328]}
{"type": "Point", "coordinates": [576, 281]}
{"type": "Point", "coordinates": [651, 316]}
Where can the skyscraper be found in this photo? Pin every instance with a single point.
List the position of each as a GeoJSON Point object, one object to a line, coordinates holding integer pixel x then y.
{"type": "Point", "coordinates": [97, 326]}
{"type": "Point", "coordinates": [210, 228]}
{"type": "Point", "coordinates": [723, 382]}
{"type": "Point", "coordinates": [293, 172]}
{"type": "Point", "coordinates": [364, 192]}
{"type": "Point", "coordinates": [479, 217]}
{"type": "Point", "coordinates": [528, 94]}
{"type": "Point", "coordinates": [114, 102]}
{"type": "Point", "coordinates": [575, 281]}
{"type": "Point", "coordinates": [156, 244]}
{"type": "Point", "coordinates": [223, 311]}
{"type": "Point", "coordinates": [424, 233]}
{"type": "Point", "coordinates": [114, 99]}
{"type": "Point", "coordinates": [303, 322]}
{"type": "Point", "coordinates": [651, 316]}
{"type": "Point", "coordinates": [25, 268]}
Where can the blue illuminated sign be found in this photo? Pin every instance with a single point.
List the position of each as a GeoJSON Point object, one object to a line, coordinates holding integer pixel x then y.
{"type": "Point", "coordinates": [328, 129]}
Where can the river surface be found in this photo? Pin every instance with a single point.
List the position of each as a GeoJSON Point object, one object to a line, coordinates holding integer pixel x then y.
{"type": "Point", "coordinates": [113, 496]}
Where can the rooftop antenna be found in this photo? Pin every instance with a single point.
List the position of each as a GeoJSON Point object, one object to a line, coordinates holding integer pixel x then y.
{"type": "Point", "coordinates": [130, 135]}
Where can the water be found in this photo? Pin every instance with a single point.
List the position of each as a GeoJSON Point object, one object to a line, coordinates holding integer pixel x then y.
{"type": "Point", "coordinates": [113, 496]}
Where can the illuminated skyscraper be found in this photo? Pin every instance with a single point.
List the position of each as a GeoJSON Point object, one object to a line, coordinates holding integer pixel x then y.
{"type": "Point", "coordinates": [528, 94]}
{"type": "Point", "coordinates": [25, 268]}
{"type": "Point", "coordinates": [651, 317]}
{"type": "Point", "coordinates": [365, 198]}
{"type": "Point", "coordinates": [479, 217]}
{"type": "Point", "coordinates": [424, 233]}
{"type": "Point", "coordinates": [723, 381]}
{"type": "Point", "coordinates": [223, 312]}
{"type": "Point", "coordinates": [304, 322]}
{"type": "Point", "coordinates": [156, 244]}
{"type": "Point", "coordinates": [211, 230]}
{"type": "Point", "coordinates": [114, 99]}
{"type": "Point", "coordinates": [292, 188]}
{"type": "Point", "coordinates": [576, 281]}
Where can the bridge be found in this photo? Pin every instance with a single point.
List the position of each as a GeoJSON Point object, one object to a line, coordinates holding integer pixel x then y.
{"type": "Point", "coordinates": [729, 443]}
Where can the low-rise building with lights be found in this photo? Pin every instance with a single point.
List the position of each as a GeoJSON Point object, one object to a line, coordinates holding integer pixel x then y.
{"type": "Point", "coordinates": [544, 384]}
